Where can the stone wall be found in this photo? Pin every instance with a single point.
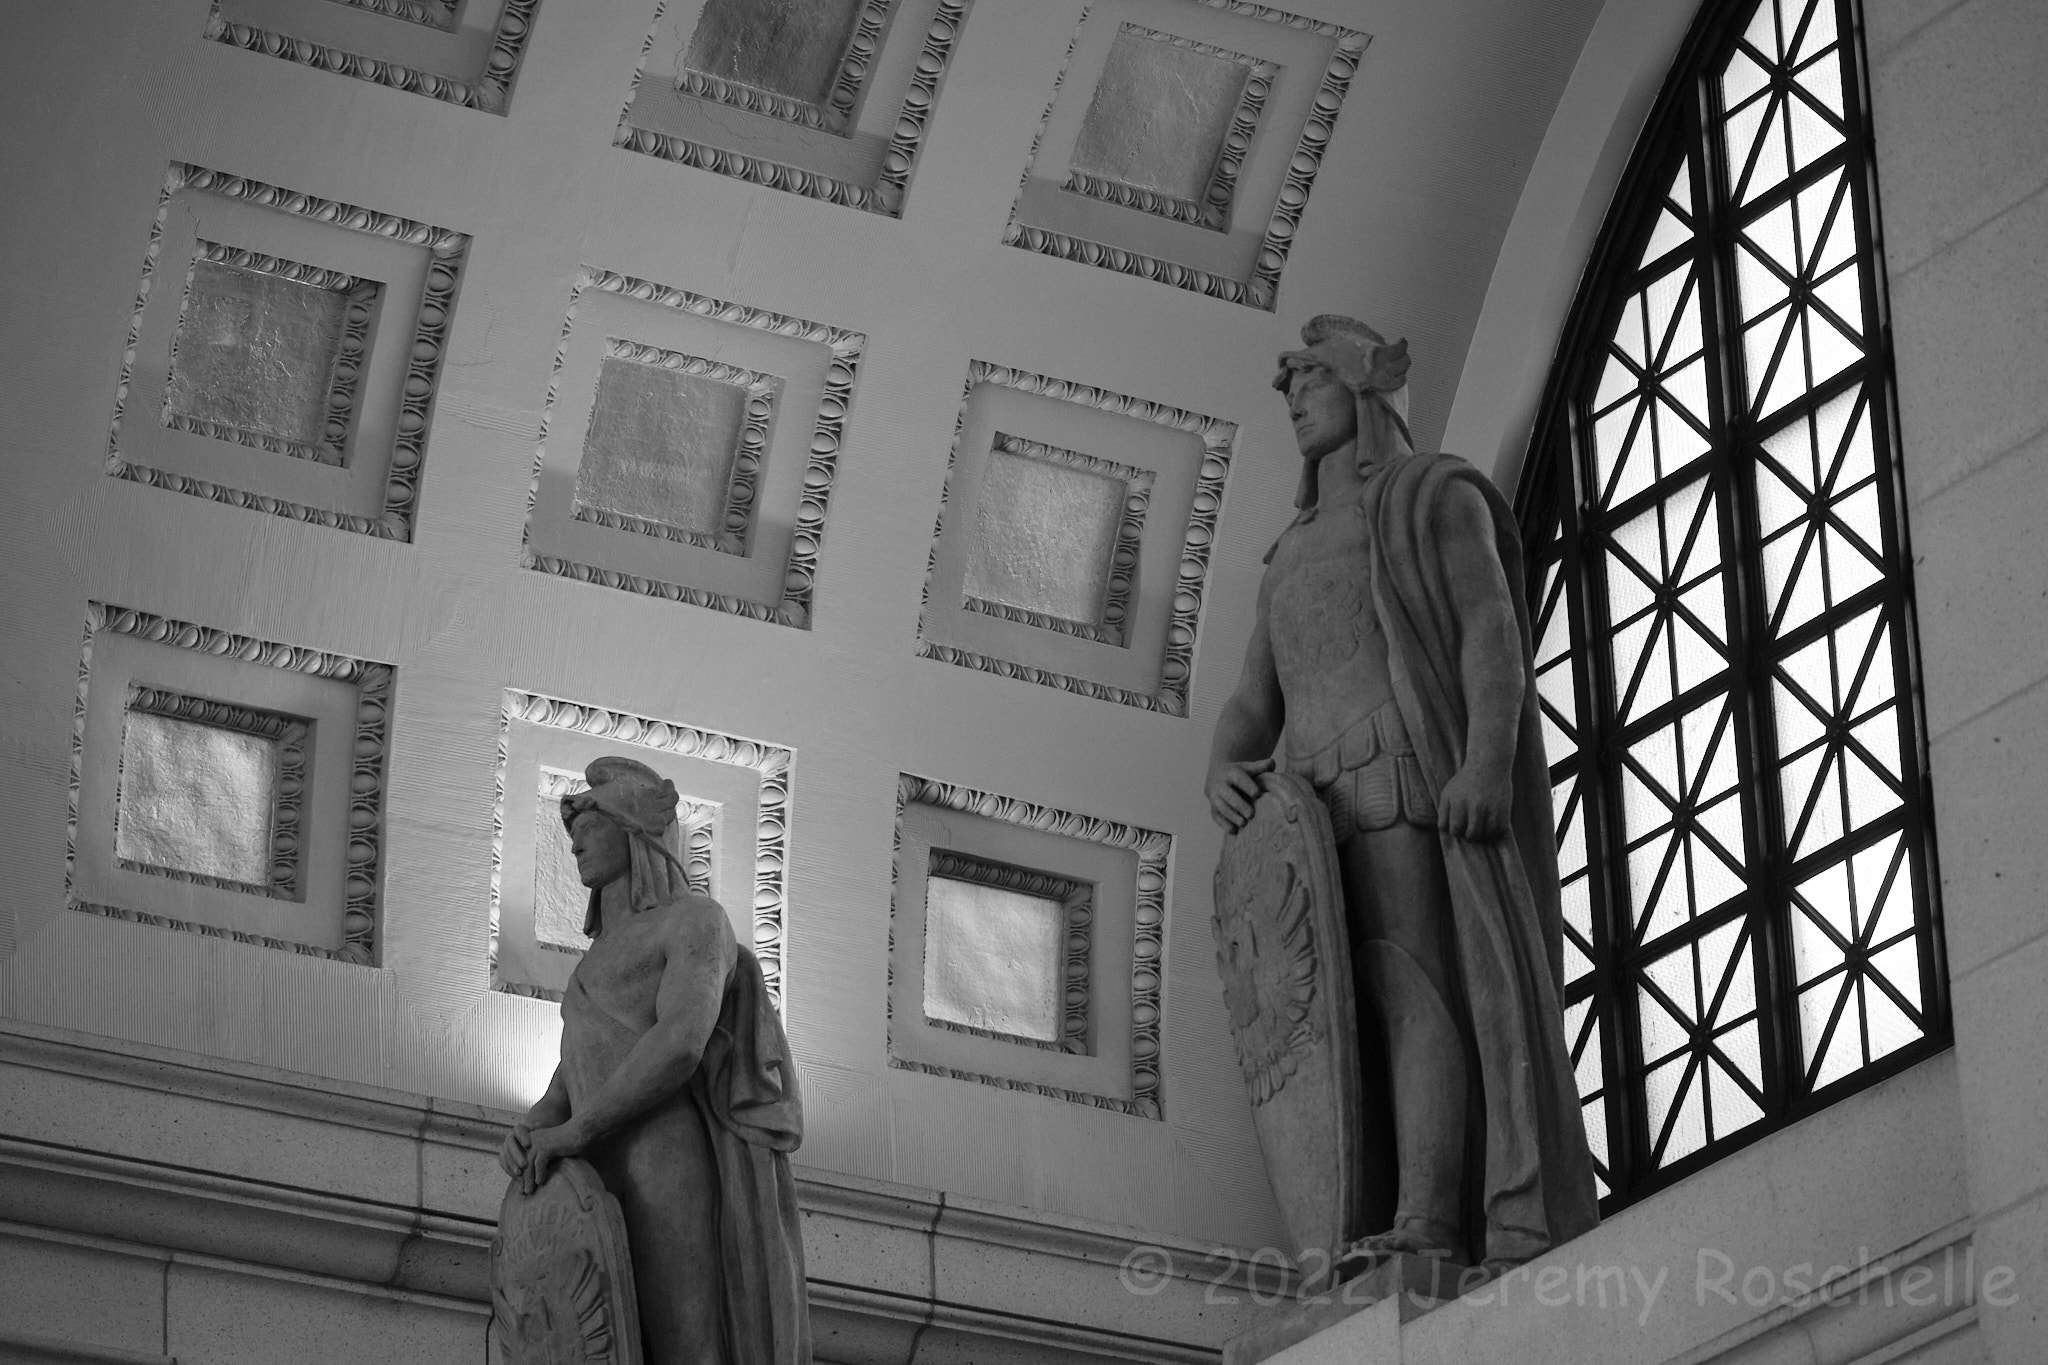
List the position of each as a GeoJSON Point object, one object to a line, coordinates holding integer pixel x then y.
{"type": "Point", "coordinates": [1961, 106]}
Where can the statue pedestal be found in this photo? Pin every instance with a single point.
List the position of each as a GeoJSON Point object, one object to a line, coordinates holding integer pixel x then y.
{"type": "Point", "coordinates": [1417, 1283]}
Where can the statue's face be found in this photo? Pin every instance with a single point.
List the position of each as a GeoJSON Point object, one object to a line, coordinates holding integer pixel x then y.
{"type": "Point", "coordinates": [1325, 412]}
{"type": "Point", "coordinates": [603, 852]}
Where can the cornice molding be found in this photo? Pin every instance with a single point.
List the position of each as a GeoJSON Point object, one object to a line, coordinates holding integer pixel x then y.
{"type": "Point", "coordinates": [441, 1256]}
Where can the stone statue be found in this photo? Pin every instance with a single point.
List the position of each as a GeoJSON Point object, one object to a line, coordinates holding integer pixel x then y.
{"type": "Point", "coordinates": [1389, 682]}
{"type": "Point", "coordinates": [676, 1085]}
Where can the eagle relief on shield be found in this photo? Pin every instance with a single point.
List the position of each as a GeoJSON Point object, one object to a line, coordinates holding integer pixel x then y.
{"type": "Point", "coordinates": [561, 1277]}
{"type": "Point", "coordinates": [1286, 966]}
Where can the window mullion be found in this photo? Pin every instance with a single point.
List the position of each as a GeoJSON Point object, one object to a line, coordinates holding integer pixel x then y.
{"type": "Point", "coordinates": [1593, 668]}
{"type": "Point", "coordinates": [1892, 498]}
{"type": "Point", "coordinates": [1763, 817]}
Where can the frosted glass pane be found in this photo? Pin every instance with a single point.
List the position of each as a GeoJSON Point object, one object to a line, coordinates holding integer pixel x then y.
{"type": "Point", "coordinates": [1159, 115]}
{"type": "Point", "coordinates": [1663, 1033]}
{"type": "Point", "coordinates": [1596, 1139]}
{"type": "Point", "coordinates": [255, 351]}
{"type": "Point", "coordinates": [1621, 442]}
{"type": "Point", "coordinates": [1742, 79]}
{"type": "Point", "coordinates": [792, 47]}
{"type": "Point", "coordinates": [1721, 965]}
{"type": "Point", "coordinates": [992, 958]}
{"type": "Point", "coordinates": [1890, 1028]}
{"type": "Point", "coordinates": [1587, 1072]}
{"type": "Point", "coordinates": [1732, 1105]}
{"type": "Point", "coordinates": [196, 798]}
{"type": "Point", "coordinates": [1689, 1126]}
{"type": "Point", "coordinates": [661, 445]}
{"type": "Point", "coordinates": [1044, 534]}
{"type": "Point", "coordinates": [1740, 1046]}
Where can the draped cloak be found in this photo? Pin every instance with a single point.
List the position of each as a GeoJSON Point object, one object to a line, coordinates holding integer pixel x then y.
{"type": "Point", "coordinates": [743, 1100]}
{"type": "Point", "coordinates": [1505, 912]}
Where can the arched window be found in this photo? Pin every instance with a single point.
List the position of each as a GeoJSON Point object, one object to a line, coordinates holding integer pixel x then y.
{"type": "Point", "coordinates": [1726, 647]}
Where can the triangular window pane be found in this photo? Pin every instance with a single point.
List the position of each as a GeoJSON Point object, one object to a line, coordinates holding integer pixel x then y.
{"type": "Point", "coordinates": [1815, 30]}
{"type": "Point", "coordinates": [1742, 80]}
{"type": "Point", "coordinates": [1670, 233]}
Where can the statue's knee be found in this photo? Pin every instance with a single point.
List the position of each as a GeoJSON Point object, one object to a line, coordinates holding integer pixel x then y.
{"type": "Point", "coordinates": [1407, 992]}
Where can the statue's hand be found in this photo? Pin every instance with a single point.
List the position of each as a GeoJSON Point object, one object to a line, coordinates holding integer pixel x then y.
{"type": "Point", "coordinates": [1475, 803]}
{"type": "Point", "coordinates": [546, 1146]}
{"type": "Point", "coordinates": [1233, 789]}
{"type": "Point", "coordinates": [514, 1154]}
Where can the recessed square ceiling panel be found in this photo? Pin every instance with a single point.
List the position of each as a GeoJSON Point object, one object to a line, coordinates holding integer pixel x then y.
{"type": "Point", "coordinates": [291, 326]}
{"type": "Point", "coordinates": [464, 52]}
{"type": "Point", "coordinates": [674, 446]}
{"type": "Point", "coordinates": [195, 798]}
{"type": "Point", "coordinates": [560, 900]}
{"type": "Point", "coordinates": [806, 60]}
{"type": "Point", "coordinates": [267, 353]}
{"type": "Point", "coordinates": [830, 99]}
{"type": "Point", "coordinates": [1162, 131]}
{"type": "Point", "coordinates": [1024, 947]}
{"type": "Point", "coordinates": [1044, 535]}
{"type": "Point", "coordinates": [993, 958]}
{"type": "Point", "coordinates": [229, 786]}
{"type": "Point", "coordinates": [667, 474]}
{"type": "Point", "coordinates": [1074, 556]}
{"type": "Point", "coordinates": [1182, 140]}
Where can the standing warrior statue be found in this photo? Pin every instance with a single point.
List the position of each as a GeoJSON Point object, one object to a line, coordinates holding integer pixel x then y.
{"type": "Point", "coordinates": [1389, 681]}
{"type": "Point", "coordinates": [677, 1086]}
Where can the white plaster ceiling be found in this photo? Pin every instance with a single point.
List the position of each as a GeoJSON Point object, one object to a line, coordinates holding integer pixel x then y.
{"type": "Point", "coordinates": [1403, 227]}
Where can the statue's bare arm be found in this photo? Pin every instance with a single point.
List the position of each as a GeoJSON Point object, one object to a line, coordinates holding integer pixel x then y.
{"type": "Point", "coordinates": [1248, 728]}
{"type": "Point", "coordinates": [1477, 801]}
{"type": "Point", "coordinates": [700, 953]}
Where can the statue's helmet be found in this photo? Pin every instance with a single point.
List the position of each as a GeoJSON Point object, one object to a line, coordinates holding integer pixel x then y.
{"type": "Point", "coordinates": [630, 792]}
{"type": "Point", "coordinates": [1361, 358]}
{"type": "Point", "coordinates": [642, 803]}
{"type": "Point", "coordinates": [1373, 368]}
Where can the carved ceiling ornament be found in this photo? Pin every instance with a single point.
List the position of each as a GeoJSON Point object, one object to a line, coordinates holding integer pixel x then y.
{"type": "Point", "coordinates": [789, 602]}
{"type": "Point", "coordinates": [387, 490]}
{"type": "Point", "coordinates": [1144, 522]}
{"type": "Point", "coordinates": [354, 791]}
{"type": "Point", "coordinates": [784, 154]}
{"type": "Point", "coordinates": [488, 89]}
{"type": "Point", "coordinates": [1037, 222]}
{"type": "Point", "coordinates": [1091, 918]}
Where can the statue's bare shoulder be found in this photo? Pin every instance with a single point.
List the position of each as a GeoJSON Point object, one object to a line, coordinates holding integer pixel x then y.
{"type": "Point", "coordinates": [696, 941]}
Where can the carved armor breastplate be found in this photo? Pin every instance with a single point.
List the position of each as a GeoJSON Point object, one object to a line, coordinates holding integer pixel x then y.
{"type": "Point", "coordinates": [1328, 647]}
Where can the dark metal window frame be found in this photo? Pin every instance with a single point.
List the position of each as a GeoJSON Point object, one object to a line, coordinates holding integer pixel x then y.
{"type": "Point", "coordinates": [1563, 523]}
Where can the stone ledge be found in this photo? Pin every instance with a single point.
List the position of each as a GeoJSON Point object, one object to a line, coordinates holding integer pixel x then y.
{"type": "Point", "coordinates": [896, 1269]}
{"type": "Point", "coordinates": [33, 1348]}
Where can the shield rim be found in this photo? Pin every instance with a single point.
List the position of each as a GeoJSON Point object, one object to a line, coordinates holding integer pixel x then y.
{"type": "Point", "coordinates": [608, 1231]}
{"type": "Point", "coordinates": [1296, 802]}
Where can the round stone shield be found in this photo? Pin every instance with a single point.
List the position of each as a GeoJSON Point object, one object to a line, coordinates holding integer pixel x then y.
{"type": "Point", "coordinates": [1286, 966]}
{"type": "Point", "coordinates": [561, 1277]}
